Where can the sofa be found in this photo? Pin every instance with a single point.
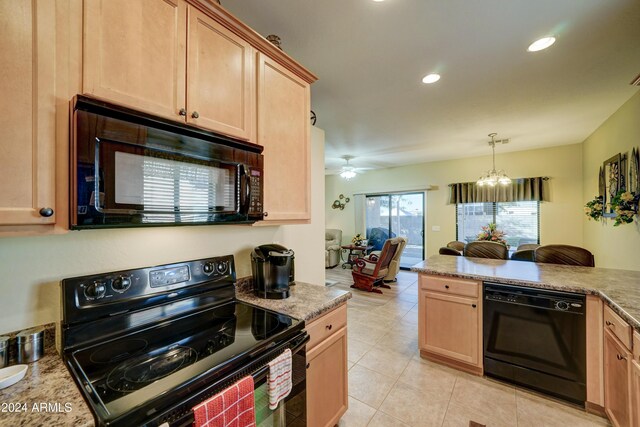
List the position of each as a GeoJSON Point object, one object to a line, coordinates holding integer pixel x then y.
{"type": "Point", "coordinates": [332, 242]}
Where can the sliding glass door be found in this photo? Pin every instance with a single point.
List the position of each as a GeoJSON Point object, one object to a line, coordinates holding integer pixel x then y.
{"type": "Point", "coordinates": [401, 214]}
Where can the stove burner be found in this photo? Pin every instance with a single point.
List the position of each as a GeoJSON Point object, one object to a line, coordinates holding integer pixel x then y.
{"type": "Point", "coordinates": [137, 373]}
{"type": "Point", "coordinates": [120, 351]}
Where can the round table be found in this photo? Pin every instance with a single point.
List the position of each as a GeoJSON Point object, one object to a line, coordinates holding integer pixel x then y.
{"type": "Point", "coordinates": [355, 252]}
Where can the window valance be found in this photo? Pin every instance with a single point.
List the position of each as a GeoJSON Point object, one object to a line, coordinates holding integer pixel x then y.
{"type": "Point", "coordinates": [520, 190]}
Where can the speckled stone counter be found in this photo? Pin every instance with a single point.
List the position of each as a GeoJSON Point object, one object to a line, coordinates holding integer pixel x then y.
{"type": "Point", "coordinates": [46, 396]}
{"type": "Point", "coordinates": [306, 301]}
{"type": "Point", "coordinates": [620, 289]}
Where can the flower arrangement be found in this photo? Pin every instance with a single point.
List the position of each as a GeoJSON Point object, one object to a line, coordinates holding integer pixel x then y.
{"type": "Point", "coordinates": [593, 208]}
{"type": "Point", "coordinates": [491, 233]}
{"type": "Point", "coordinates": [625, 205]}
{"type": "Point", "coordinates": [357, 239]}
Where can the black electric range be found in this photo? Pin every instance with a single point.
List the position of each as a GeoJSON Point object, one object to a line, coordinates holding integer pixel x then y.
{"type": "Point", "coordinates": [146, 345]}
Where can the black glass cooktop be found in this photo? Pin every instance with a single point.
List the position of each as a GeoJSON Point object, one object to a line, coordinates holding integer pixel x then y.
{"type": "Point", "coordinates": [129, 371]}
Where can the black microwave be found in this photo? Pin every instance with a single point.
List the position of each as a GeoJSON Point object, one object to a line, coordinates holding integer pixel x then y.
{"type": "Point", "coordinates": [131, 169]}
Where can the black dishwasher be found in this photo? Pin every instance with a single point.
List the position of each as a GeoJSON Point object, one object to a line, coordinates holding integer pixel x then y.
{"type": "Point", "coordinates": [536, 338]}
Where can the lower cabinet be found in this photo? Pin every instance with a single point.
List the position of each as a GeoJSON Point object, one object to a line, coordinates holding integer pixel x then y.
{"type": "Point", "coordinates": [327, 381]}
{"type": "Point", "coordinates": [617, 375]}
{"type": "Point", "coordinates": [450, 322]}
{"type": "Point", "coordinates": [635, 391]}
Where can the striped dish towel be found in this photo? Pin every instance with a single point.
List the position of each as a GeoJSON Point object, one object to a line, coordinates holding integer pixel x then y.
{"type": "Point", "coordinates": [279, 379]}
{"type": "Point", "coordinates": [232, 407]}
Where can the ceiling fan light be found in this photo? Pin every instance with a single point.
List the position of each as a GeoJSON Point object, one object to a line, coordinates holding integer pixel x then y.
{"type": "Point", "coordinates": [347, 174]}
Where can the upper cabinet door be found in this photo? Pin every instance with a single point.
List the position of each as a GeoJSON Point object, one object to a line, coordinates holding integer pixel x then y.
{"type": "Point", "coordinates": [283, 130]}
{"type": "Point", "coordinates": [220, 83]}
{"type": "Point", "coordinates": [134, 53]}
{"type": "Point", "coordinates": [27, 112]}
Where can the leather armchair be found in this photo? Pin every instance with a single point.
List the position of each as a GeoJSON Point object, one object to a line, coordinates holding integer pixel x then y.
{"type": "Point", "coordinates": [332, 242]}
{"type": "Point", "coordinates": [368, 273]}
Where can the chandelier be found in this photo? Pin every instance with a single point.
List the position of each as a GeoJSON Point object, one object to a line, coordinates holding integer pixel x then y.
{"type": "Point", "coordinates": [347, 172]}
{"type": "Point", "coordinates": [493, 176]}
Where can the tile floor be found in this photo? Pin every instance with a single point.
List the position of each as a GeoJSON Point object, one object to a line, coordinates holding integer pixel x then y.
{"type": "Point", "coordinates": [390, 385]}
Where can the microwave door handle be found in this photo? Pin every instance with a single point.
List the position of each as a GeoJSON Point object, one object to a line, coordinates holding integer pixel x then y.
{"type": "Point", "coordinates": [245, 195]}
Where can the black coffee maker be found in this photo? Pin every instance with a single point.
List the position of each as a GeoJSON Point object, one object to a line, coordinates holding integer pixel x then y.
{"type": "Point", "coordinates": [272, 266]}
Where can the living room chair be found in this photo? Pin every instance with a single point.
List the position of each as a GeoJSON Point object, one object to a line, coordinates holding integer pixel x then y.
{"type": "Point", "coordinates": [332, 242]}
{"type": "Point", "coordinates": [565, 254]}
{"type": "Point", "coordinates": [394, 266]}
{"type": "Point", "coordinates": [486, 249]}
{"type": "Point", "coordinates": [368, 273]}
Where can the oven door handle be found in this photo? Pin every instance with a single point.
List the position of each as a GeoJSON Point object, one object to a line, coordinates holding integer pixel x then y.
{"type": "Point", "coordinates": [262, 372]}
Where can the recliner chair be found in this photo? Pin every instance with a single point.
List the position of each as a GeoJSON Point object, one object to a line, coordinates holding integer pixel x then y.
{"type": "Point", "coordinates": [332, 242]}
{"type": "Point", "coordinates": [394, 266]}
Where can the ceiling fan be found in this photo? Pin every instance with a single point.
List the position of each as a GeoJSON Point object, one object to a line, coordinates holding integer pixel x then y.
{"type": "Point", "coordinates": [349, 171]}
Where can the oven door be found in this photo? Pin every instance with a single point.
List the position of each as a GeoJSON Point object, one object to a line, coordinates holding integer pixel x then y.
{"type": "Point", "coordinates": [126, 174]}
{"type": "Point", "coordinates": [290, 410]}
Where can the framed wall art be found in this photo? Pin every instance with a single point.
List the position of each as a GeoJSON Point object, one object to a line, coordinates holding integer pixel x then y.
{"type": "Point", "coordinates": [613, 180]}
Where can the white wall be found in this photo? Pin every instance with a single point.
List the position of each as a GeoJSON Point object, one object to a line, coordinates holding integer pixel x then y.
{"type": "Point", "coordinates": [560, 219]}
{"type": "Point", "coordinates": [31, 267]}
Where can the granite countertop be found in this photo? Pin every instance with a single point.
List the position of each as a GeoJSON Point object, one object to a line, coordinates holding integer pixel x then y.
{"type": "Point", "coordinates": [306, 301]}
{"type": "Point", "coordinates": [620, 289]}
{"type": "Point", "coordinates": [46, 396]}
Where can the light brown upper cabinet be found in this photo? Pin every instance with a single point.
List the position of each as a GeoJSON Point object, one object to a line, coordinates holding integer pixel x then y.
{"type": "Point", "coordinates": [220, 78]}
{"type": "Point", "coordinates": [27, 112]}
{"type": "Point", "coordinates": [134, 54]}
{"type": "Point", "coordinates": [283, 131]}
{"type": "Point", "coordinates": [170, 59]}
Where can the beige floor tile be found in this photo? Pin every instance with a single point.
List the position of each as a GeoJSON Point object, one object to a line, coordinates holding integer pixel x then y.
{"type": "Point", "coordinates": [367, 332]}
{"type": "Point", "coordinates": [408, 346]}
{"type": "Point", "coordinates": [385, 361]}
{"type": "Point", "coordinates": [534, 411]}
{"type": "Point", "coordinates": [414, 407]}
{"type": "Point", "coordinates": [369, 386]}
{"type": "Point", "coordinates": [404, 329]}
{"type": "Point", "coordinates": [350, 364]}
{"type": "Point", "coordinates": [355, 347]}
{"type": "Point", "coordinates": [490, 399]}
{"type": "Point", "coordinates": [380, 419]}
{"type": "Point", "coordinates": [358, 415]}
{"type": "Point", "coordinates": [429, 377]}
{"type": "Point", "coordinates": [408, 297]}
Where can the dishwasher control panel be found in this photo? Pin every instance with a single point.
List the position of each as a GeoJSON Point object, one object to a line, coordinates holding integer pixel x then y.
{"type": "Point", "coordinates": [534, 297]}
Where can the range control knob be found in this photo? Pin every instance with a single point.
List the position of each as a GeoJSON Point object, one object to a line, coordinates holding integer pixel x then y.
{"type": "Point", "coordinates": [95, 290]}
{"type": "Point", "coordinates": [562, 305]}
{"type": "Point", "coordinates": [221, 267]}
{"type": "Point", "coordinates": [208, 267]}
{"type": "Point", "coordinates": [121, 283]}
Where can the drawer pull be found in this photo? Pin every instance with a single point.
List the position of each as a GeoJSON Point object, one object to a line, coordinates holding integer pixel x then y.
{"type": "Point", "coordinates": [46, 212]}
{"type": "Point", "coordinates": [473, 305]}
{"type": "Point", "coordinates": [446, 286]}
{"type": "Point", "coordinates": [329, 326]}
{"type": "Point", "coordinates": [608, 323]}
{"type": "Point", "coordinates": [308, 365]}
{"type": "Point", "coordinates": [621, 357]}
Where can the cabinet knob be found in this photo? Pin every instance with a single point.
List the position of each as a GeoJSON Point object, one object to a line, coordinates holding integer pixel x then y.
{"type": "Point", "coordinates": [46, 212]}
{"type": "Point", "coordinates": [308, 364]}
{"type": "Point", "coordinates": [265, 214]}
{"type": "Point", "coordinates": [195, 115]}
{"type": "Point", "coordinates": [473, 305]}
{"type": "Point", "coordinates": [608, 323]}
{"type": "Point", "coordinates": [329, 326]}
{"type": "Point", "coordinates": [182, 112]}
{"type": "Point", "coordinates": [620, 357]}
{"type": "Point", "coordinates": [446, 286]}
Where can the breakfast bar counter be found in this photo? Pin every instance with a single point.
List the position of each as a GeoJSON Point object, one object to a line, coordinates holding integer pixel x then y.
{"type": "Point", "coordinates": [619, 289]}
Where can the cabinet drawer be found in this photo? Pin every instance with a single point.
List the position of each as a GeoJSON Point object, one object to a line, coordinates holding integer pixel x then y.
{"type": "Point", "coordinates": [617, 326]}
{"type": "Point", "coordinates": [322, 327]}
{"type": "Point", "coordinates": [636, 349]}
{"type": "Point", "coordinates": [469, 288]}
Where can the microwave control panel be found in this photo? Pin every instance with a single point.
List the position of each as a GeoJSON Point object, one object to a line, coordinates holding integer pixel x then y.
{"type": "Point", "coordinates": [255, 201]}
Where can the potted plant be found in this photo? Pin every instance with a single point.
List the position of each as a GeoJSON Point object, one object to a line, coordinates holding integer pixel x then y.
{"type": "Point", "coordinates": [625, 206]}
{"type": "Point", "coordinates": [357, 239]}
{"type": "Point", "coordinates": [491, 233]}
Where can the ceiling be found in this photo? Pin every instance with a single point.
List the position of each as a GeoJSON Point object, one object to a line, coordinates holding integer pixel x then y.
{"type": "Point", "coordinates": [370, 58]}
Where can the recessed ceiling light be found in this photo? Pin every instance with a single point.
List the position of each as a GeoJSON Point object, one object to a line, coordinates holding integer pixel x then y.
{"type": "Point", "coordinates": [431, 78]}
{"type": "Point", "coordinates": [541, 44]}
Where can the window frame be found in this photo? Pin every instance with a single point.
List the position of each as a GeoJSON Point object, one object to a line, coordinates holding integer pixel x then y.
{"type": "Point", "coordinates": [494, 210]}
